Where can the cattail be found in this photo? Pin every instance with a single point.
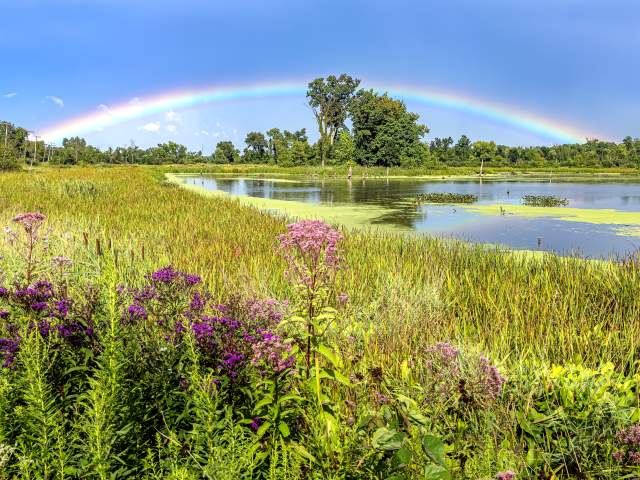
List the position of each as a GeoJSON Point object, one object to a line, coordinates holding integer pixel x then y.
{"type": "Point", "coordinates": [85, 237]}
{"type": "Point", "coordinates": [98, 247]}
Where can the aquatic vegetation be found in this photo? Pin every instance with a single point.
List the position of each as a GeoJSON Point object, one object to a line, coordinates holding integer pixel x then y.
{"type": "Point", "coordinates": [447, 197]}
{"type": "Point", "coordinates": [544, 201]}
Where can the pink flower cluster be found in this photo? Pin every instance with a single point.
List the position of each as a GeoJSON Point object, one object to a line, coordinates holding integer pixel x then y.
{"type": "Point", "coordinates": [311, 250]}
{"type": "Point", "coordinates": [30, 221]}
{"type": "Point", "coordinates": [272, 354]}
{"type": "Point", "coordinates": [508, 475]}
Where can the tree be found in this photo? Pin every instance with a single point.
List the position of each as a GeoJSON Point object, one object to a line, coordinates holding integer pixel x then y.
{"type": "Point", "coordinates": [330, 99]}
{"type": "Point", "coordinates": [384, 132]}
{"type": "Point", "coordinates": [257, 146]}
{"type": "Point", "coordinates": [226, 153]}
{"type": "Point", "coordinates": [462, 149]}
{"type": "Point", "coordinates": [484, 151]}
{"type": "Point", "coordinates": [345, 151]}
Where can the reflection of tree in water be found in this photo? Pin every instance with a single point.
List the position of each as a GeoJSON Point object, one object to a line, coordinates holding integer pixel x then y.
{"type": "Point", "coordinates": [404, 214]}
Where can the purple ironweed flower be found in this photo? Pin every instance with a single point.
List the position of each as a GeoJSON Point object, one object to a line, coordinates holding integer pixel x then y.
{"type": "Point", "coordinates": [230, 363]}
{"type": "Point", "coordinates": [44, 327]}
{"type": "Point", "coordinates": [255, 424]}
{"type": "Point", "coordinates": [165, 275]}
{"type": "Point", "coordinates": [39, 306]}
{"type": "Point", "coordinates": [145, 294]}
{"type": "Point", "coordinates": [618, 456]}
{"type": "Point", "coordinates": [8, 349]}
{"type": "Point", "coordinates": [4, 314]}
{"type": "Point", "coordinates": [136, 312]}
{"type": "Point", "coordinates": [508, 475]}
{"type": "Point", "coordinates": [634, 457]}
{"type": "Point", "coordinates": [192, 279]}
{"type": "Point", "coordinates": [310, 246]}
{"type": "Point", "coordinates": [446, 351]}
{"type": "Point", "coordinates": [30, 221]}
{"type": "Point", "coordinates": [62, 308]}
{"type": "Point", "coordinates": [4, 292]}
{"type": "Point", "coordinates": [493, 381]}
{"type": "Point", "coordinates": [272, 354]}
{"type": "Point", "coordinates": [343, 298]}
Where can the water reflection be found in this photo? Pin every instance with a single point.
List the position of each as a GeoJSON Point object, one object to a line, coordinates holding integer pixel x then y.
{"type": "Point", "coordinates": [396, 195]}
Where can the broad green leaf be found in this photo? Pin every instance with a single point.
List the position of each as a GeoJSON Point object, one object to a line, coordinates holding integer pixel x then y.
{"type": "Point", "coordinates": [330, 355]}
{"type": "Point", "coordinates": [385, 439]}
{"type": "Point", "coordinates": [434, 448]}
{"type": "Point", "coordinates": [436, 472]}
{"type": "Point", "coordinates": [402, 458]}
{"type": "Point", "coordinates": [284, 429]}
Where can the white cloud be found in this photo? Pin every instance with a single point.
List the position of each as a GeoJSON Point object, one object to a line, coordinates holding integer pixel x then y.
{"type": "Point", "coordinates": [135, 101]}
{"type": "Point", "coordinates": [170, 128]}
{"type": "Point", "coordinates": [216, 134]}
{"type": "Point", "coordinates": [57, 100]}
{"type": "Point", "coordinates": [104, 108]}
{"type": "Point", "coordinates": [150, 127]}
{"type": "Point", "coordinates": [10, 95]}
{"type": "Point", "coordinates": [173, 117]}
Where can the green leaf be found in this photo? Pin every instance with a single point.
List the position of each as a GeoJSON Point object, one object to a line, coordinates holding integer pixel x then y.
{"type": "Point", "coordinates": [267, 400]}
{"type": "Point", "coordinates": [263, 429]}
{"type": "Point", "coordinates": [300, 450]}
{"type": "Point", "coordinates": [434, 448]}
{"type": "Point", "coordinates": [385, 439]}
{"type": "Point", "coordinates": [436, 472]}
{"type": "Point", "coordinates": [291, 396]}
{"type": "Point", "coordinates": [330, 355]}
{"type": "Point", "coordinates": [401, 458]}
{"type": "Point", "coordinates": [284, 429]}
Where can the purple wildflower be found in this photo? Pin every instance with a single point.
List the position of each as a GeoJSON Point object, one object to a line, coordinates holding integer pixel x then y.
{"type": "Point", "coordinates": [343, 298]}
{"type": "Point", "coordinates": [4, 292]}
{"type": "Point", "coordinates": [493, 381]}
{"type": "Point", "coordinates": [136, 312]}
{"type": "Point", "coordinates": [380, 399]}
{"type": "Point", "coordinates": [8, 349]}
{"type": "Point", "coordinates": [630, 436]}
{"type": "Point", "coordinates": [61, 262]}
{"type": "Point", "coordinates": [272, 354]}
{"type": "Point", "coordinates": [39, 306]}
{"type": "Point", "coordinates": [30, 221]}
{"type": "Point", "coordinates": [191, 280]}
{"type": "Point", "coordinates": [310, 247]}
{"type": "Point", "coordinates": [165, 275]}
{"type": "Point", "coordinates": [508, 475]}
{"type": "Point", "coordinates": [255, 424]}
{"type": "Point", "coordinates": [618, 456]}
{"type": "Point", "coordinates": [4, 314]}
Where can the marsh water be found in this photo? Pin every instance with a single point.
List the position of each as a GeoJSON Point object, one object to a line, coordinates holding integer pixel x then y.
{"type": "Point", "coordinates": [394, 198]}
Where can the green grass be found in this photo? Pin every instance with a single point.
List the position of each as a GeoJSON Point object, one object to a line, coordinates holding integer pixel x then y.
{"type": "Point", "coordinates": [446, 198]}
{"type": "Point", "coordinates": [423, 290]}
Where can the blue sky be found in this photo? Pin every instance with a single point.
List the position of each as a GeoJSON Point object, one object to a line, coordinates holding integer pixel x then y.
{"type": "Point", "coordinates": [576, 62]}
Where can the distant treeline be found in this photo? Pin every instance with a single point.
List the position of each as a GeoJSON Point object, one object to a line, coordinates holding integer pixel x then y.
{"type": "Point", "coordinates": [382, 133]}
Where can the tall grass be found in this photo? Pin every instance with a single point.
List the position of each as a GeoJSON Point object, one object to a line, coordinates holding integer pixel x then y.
{"type": "Point", "coordinates": [425, 290]}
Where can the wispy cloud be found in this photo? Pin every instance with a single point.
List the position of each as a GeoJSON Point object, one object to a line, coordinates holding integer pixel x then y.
{"type": "Point", "coordinates": [104, 108]}
{"type": "Point", "coordinates": [10, 95]}
{"type": "Point", "coordinates": [173, 117]}
{"type": "Point", "coordinates": [57, 100]}
{"type": "Point", "coordinates": [135, 101]}
{"type": "Point", "coordinates": [150, 127]}
{"type": "Point", "coordinates": [170, 128]}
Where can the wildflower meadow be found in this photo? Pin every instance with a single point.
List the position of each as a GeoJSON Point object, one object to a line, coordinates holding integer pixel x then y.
{"type": "Point", "coordinates": [148, 332]}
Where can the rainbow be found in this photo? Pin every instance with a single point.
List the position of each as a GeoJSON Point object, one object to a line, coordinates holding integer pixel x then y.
{"type": "Point", "coordinates": [184, 99]}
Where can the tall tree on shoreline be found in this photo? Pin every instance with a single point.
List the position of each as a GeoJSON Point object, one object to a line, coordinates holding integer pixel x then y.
{"type": "Point", "coordinates": [330, 99]}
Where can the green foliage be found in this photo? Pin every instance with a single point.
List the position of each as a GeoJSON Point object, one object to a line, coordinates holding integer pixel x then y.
{"type": "Point", "coordinates": [544, 201]}
{"type": "Point", "coordinates": [384, 132]}
{"type": "Point", "coordinates": [226, 153]}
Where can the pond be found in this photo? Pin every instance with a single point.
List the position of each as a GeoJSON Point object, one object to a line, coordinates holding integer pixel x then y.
{"type": "Point", "coordinates": [602, 218]}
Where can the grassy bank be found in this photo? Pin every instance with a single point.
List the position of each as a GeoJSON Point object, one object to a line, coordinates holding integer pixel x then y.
{"type": "Point", "coordinates": [406, 294]}
{"type": "Point", "coordinates": [427, 171]}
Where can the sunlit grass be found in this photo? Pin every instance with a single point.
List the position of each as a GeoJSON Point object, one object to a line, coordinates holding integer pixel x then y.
{"type": "Point", "coordinates": [406, 291]}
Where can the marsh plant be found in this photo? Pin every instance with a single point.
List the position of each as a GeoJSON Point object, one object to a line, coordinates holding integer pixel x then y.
{"type": "Point", "coordinates": [446, 197]}
{"type": "Point", "coordinates": [159, 373]}
{"type": "Point", "coordinates": [544, 201]}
